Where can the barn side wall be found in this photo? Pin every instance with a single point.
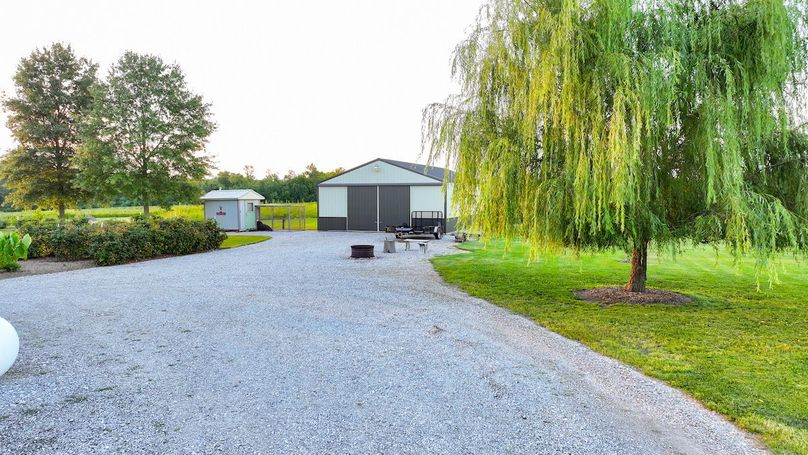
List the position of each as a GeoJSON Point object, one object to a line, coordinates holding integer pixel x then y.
{"type": "Point", "coordinates": [332, 208]}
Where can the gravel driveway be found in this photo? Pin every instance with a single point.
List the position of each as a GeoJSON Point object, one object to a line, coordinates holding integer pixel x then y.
{"type": "Point", "coordinates": [287, 346]}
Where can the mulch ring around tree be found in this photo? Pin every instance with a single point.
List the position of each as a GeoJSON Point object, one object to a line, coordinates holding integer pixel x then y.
{"type": "Point", "coordinates": [616, 294]}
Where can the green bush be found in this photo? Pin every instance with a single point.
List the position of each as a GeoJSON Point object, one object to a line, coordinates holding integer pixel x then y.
{"type": "Point", "coordinates": [67, 241]}
{"type": "Point", "coordinates": [182, 236]}
{"type": "Point", "coordinates": [118, 242]}
{"type": "Point", "coordinates": [13, 248]}
{"type": "Point", "coordinates": [71, 241]}
{"type": "Point", "coordinates": [40, 232]}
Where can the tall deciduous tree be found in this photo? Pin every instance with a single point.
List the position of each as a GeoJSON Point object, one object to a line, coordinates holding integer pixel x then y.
{"type": "Point", "coordinates": [618, 123]}
{"type": "Point", "coordinates": [145, 135]}
{"type": "Point", "coordinates": [52, 92]}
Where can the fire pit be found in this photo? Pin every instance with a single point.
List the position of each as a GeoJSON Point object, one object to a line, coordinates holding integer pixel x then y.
{"type": "Point", "coordinates": [362, 251]}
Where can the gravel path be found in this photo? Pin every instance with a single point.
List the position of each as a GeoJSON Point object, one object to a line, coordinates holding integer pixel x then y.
{"type": "Point", "coordinates": [287, 346]}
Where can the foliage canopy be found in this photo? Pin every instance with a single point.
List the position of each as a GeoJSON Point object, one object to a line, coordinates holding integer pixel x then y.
{"type": "Point", "coordinates": [615, 123]}
{"type": "Point", "coordinates": [145, 135]}
{"type": "Point", "coordinates": [52, 92]}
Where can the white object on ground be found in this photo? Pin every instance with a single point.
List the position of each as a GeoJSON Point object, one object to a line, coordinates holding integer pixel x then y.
{"type": "Point", "coordinates": [9, 345]}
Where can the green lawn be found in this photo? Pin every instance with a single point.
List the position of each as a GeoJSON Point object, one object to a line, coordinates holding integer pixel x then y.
{"type": "Point", "coordinates": [740, 351]}
{"type": "Point", "coordinates": [186, 211]}
{"type": "Point", "coordinates": [311, 224]}
{"type": "Point", "coordinates": [233, 241]}
{"type": "Point", "coordinates": [279, 223]}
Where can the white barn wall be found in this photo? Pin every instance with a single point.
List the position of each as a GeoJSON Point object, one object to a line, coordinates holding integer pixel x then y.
{"type": "Point", "coordinates": [426, 198]}
{"type": "Point", "coordinates": [385, 174]}
{"type": "Point", "coordinates": [450, 211]}
{"type": "Point", "coordinates": [333, 201]}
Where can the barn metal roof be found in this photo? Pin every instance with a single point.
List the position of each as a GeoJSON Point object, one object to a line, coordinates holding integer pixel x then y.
{"type": "Point", "coordinates": [433, 172]}
{"type": "Point", "coordinates": [438, 173]}
{"type": "Point", "coordinates": [223, 195]}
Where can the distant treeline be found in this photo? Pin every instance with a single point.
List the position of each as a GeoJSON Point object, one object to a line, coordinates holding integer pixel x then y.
{"type": "Point", "coordinates": [292, 187]}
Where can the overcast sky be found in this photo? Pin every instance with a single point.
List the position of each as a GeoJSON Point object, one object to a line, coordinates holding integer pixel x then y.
{"type": "Point", "coordinates": [292, 82]}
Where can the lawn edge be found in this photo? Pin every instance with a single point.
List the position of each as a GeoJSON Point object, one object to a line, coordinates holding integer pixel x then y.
{"type": "Point", "coordinates": [755, 438]}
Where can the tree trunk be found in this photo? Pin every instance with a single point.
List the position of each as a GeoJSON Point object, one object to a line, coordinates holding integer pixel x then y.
{"type": "Point", "coordinates": [639, 268]}
{"type": "Point", "coordinates": [146, 204]}
{"type": "Point", "coordinates": [61, 211]}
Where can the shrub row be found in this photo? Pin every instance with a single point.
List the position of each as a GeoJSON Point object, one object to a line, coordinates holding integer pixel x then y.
{"type": "Point", "coordinates": [119, 242]}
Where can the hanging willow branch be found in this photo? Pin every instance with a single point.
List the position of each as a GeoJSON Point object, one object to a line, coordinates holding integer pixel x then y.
{"type": "Point", "coordinates": [611, 123]}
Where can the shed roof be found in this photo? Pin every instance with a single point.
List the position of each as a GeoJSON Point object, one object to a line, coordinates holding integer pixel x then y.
{"type": "Point", "coordinates": [433, 172]}
{"type": "Point", "coordinates": [224, 195]}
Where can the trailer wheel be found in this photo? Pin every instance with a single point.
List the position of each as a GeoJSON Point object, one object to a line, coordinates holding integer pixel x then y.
{"type": "Point", "coordinates": [438, 233]}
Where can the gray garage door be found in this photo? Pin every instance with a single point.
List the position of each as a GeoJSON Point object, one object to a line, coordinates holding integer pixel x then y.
{"type": "Point", "coordinates": [394, 206]}
{"type": "Point", "coordinates": [362, 208]}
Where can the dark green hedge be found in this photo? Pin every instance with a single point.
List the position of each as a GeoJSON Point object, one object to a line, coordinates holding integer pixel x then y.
{"type": "Point", "coordinates": [119, 242]}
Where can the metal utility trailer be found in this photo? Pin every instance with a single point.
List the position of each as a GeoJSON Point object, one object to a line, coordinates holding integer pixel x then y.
{"type": "Point", "coordinates": [424, 224]}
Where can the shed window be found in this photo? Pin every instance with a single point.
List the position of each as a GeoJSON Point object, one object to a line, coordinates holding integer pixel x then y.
{"type": "Point", "coordinates": [250, 207]}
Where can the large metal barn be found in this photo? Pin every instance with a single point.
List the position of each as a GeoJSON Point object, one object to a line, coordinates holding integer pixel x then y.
{"type": "Point", "coordinates": [383, 193]}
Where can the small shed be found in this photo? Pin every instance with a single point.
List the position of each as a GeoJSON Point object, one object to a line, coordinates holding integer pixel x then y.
{"type": "Point", "coordinates": [233, 210]}
{"type": "Point", "coordinates": [382, 193]}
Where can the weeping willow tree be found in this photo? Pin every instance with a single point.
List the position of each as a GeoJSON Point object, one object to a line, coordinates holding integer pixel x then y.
{"type": "Point", "coordinates": [597, 124]}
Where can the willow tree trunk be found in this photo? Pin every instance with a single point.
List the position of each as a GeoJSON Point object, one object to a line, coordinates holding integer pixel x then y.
{"type": "Point", "coordinates": [146, 204]}
{"type": "Point", "coordinates": [639, 268]}
{"type": "Point", "coordinates": [61, 211]}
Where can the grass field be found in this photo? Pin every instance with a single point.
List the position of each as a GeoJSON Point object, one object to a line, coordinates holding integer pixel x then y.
{"type": "Point", "coordinates": [281, 214]}
{"type": "Point", "coordinates": [187, 211]}
{"type": "Point", "coordinates": [740, 351]}
{"type": "Point", "coordinates": [193, 212]}
{"type": "Point", "coordinates": [233, 241]}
